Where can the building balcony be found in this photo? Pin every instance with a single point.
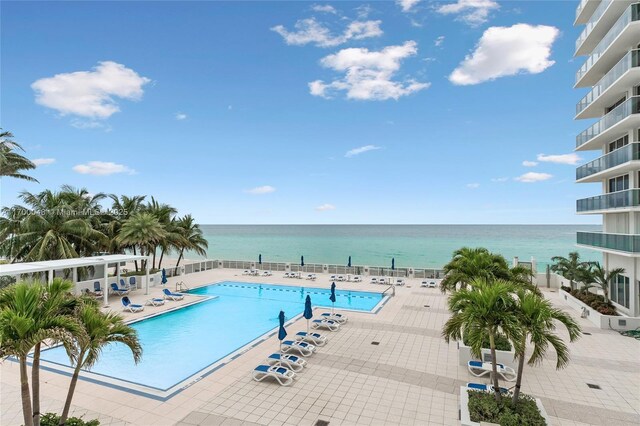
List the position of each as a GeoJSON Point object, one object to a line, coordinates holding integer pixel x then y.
{"type": "Point", "coordinates": [622, 37]}
{"type": "Point", "coordinates": [625, 243]}
{"type": "Point", "coordinates": [615, 124]}
{"type": "Point", "coordinates": [605, 92]}
{"type": "Point", "coordinates": [626, 200]}
{"type": "Point", "coordinates": [603, 17]}
{"type": "Point", "coordinates": [617, 162]}
{"type": "Point", "coordinates": [584, 11]}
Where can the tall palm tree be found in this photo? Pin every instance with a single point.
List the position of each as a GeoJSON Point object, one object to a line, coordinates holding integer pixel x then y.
{"type": "Point", "coordinates": [11, 163]}
{"type": "Point", "coordinates": [602, 278]}
{"type": "Point", "coordinates": [468, 264]}
{"type": "Point", "coordinates": [122, 209]}
{"type": "Point", "coordinates": [571, 268]}
{"type": "Point", "coordinates": [97, 330]}
{"type": "Point", "coordinates": [537, 321]}
{"type": "Point", "coordinates": [143, 230]}
{"type": "Point", "coordinates": [480, 313]}
{"type": "Point", "coordinates": [193, 238]}
{"type": "Point", "coordinates": [164, 213]}
{"type": "Point", "coordinates": [22, 326]}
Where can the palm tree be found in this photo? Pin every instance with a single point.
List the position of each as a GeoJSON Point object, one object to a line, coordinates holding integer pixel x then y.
{"type": "Point", "coordinates": [536, 319]}
{"type": "Point", "coordinates": [570, 267]}
{"type": "Point", "coordinates": [143, 230]}
{"type": "Point", "coordinates": [164, 213]}
{"type": "Point", "coordinates": [480, 314]}
{"type": "Point", "coordinates": [122, 209]}
{"type": "Point", "coordinates": [97, 330]}
{"type": "Point", "coordinates": [12, 163]}
{"type": "Point", "coordinates": [602, 278]}
{"type": "Point", "coordinates": [22, 326]}
{"type": "Point", "coordinates": [193, 239]}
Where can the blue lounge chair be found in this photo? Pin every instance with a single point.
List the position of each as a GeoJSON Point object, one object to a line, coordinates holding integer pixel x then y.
{"type": "Point", "coordinates": [156, 301]}
{"type": "Point", "coordinates": [131, 307]}
{"type": "Point", "coordinates": [339, 318]}
{"type": "Point", "coordinates": [173, 296]}
{"type": "Point", "coordinates": [484, 388]}
{"type": "Point", "coordinates": [292, 362]}
{"type": "Point", "coordinates": [479, 369]}
{"type": "Point", "coordinates": [325, 323]}
{"type": "Point", "coordinates": [120, 291]}
{"type": "Point", "coordinates": [316, 338]}
{"type": "Point", "coordinates": [96, 288]}
{"type": "Point", "coordinates": [303, 348]}
{"type": "Point", "coordinates": [132, 283]}
{"type": "Point", "coordinates": [283, 375]}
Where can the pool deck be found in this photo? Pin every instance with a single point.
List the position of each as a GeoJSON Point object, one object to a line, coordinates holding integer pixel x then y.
{"type": "Point", "coordinates": [411, 377]}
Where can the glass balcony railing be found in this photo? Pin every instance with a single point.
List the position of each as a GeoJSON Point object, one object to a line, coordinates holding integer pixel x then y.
{"type": "Point", "coordinates": [619, 113]}
{"type": "Point", "coordinates": [623, 155]}
{"type": "Point", "coordinates": [631, 14]}
{"type": "Point", "coordinates": [630, 60]}
{"type": "Point", "coordinates": [613, 200]}
{"type": "Point", "coordinates": [620, 242]}
{"type": "Point", "coordinates": [581, 6]}
{"type": "Point", "coordinates": [597, 14]}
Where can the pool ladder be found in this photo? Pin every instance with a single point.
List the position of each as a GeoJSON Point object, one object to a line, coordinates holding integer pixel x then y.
{"type": "Point", "coordinates": [180, 286]}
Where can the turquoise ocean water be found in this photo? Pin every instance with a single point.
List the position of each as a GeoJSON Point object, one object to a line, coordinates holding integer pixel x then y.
{"type": "Point", "coordinates": [418, 246]}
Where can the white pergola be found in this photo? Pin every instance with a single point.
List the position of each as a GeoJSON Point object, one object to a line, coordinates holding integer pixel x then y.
{"type": "Point", "coordinates": [14, 269]}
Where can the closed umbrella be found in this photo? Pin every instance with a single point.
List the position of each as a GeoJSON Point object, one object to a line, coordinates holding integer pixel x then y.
{"type": "Point", "coordinates": [301, 264]}
{"type": "Point", "coordinates": [282, 333]}
{"type": "Point", "coordinates": [164, 276]}
{"type": "Point", "coordinates": [259, 259]}
{"type": "Point", "coordinates": [332, 297]}
{"type": "Point", "coordinates": [393, 265]}
{"type": "Point", "coordinates": [349, 263]}
{"type": "Point", "coordinates": [308, 312]}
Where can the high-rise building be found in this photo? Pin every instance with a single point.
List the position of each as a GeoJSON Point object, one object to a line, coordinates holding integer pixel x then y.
{"type": "Point", "coordinates": [610, 42]}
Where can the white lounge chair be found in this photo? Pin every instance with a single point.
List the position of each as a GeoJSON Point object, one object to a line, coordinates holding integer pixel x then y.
{"type": "Point", "coordinates": [311, 277]}
{"type": "Point", "coordinates": [333, 278]}
{"type": "Point", "coordinates": [479, 369]}
{"type": "Point", "coordinates": [292, 362]}
{"type": "Point", "coordinates": [173, 296]}
{"type": "Point", "coordinates": [283, 375]}
{"type": "Point", "coordinates": [484, 388]}
{"type": "Point", "coordinates": [245, 272]}
{"type": "Point", "coordinates": [400, 281]}
{"type": "Point", "coordinates": [424, 283]}
{"type": "Point", "coordinates": [131, 307]}
{"type": "Point", "coordinates": [156, 301]}
{"type": "Point", "coordinates": [374, 280]}
{"type": "Point", "coordinates": [303, 348]}
{"type": "Point", "coordinates": [340, 278]}
{"type": "Point", "coordinates": [326, 324]}
{"type": "Point", "coordinates": [316, 339]}
{"type": "Point", "coordinates": [266, 273]}
{"type": "Point", "coordinates": [357, 279]}
{"type": "Point", "coordinates": [287, 275]}
{"type": "Point", "coordinates": [339, 318]}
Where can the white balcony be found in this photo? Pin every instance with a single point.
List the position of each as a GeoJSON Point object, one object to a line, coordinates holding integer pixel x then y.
{"type": "Point", "coordinates": [603, 18]}
{"type": "Point", "coordinates": [615, 163]}
{"type": "Point", "coordinates": [585, 10]}
{"type": "Point", "coordinates": [615, 124]}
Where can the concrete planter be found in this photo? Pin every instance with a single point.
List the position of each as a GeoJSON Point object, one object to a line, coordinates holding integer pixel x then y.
{"type": "Point", "coordinates": [465, 416]}
{"type": "Point", "coordinates": [502, 357]}
{"type": "Point", "coordinates": [601, 321]}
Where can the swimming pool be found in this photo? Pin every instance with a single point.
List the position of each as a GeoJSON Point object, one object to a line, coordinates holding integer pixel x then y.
{"type": "Point", "coordinates": [182, 345]}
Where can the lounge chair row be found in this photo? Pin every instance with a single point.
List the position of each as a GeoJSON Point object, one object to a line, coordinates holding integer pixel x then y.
{"type": "Point", "coordinates": [382, 280]}
{"type": "Point", "coordinates": [428, 284]}
{"type": "Point", "coordinates": [127, 305]}
{"type": "Point", "coordinates": [257, 273]}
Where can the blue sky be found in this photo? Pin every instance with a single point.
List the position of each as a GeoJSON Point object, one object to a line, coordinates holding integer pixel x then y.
{"type": "Point", "coordinates": [246, 112]}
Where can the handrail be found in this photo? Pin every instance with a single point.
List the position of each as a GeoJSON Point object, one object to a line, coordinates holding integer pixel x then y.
{"type": "Point", "coordinates": [391, 287]}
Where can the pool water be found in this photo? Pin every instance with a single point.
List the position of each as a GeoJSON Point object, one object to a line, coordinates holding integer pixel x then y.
{"type": "Point", "coordinates": [179, 344]}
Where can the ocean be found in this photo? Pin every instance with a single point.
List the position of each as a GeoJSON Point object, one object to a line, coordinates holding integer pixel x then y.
{"type": "Point", "coordinates": [417, 246]}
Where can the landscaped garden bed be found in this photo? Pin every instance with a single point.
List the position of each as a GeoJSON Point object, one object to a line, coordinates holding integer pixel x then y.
{"type": "Point", "coordinates": [483, 407]}
{"type": "Point", "coordinates": [594, 301]}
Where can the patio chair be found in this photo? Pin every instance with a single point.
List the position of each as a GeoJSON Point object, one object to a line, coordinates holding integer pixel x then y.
{"type": "Point", "coordinates": [292, 362]}
{"type": "Point", "coordinates": [283, 375]}
{"type": "Point", "coordinates": [316, 339]}
{"type": "Point", "coordinates": [131, 307]}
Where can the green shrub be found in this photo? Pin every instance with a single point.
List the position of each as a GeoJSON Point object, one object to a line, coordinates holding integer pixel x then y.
{"type": "Point", "coordinates": [484, 408]}
{"type": "Point", "coordinates": [52, 419]}
{"type": "Point", "coordinates": [502, 343]}
{"type": "Point", "coordinates": [595, 301]}
{"type": "Point", "coordinates": [565, 288]}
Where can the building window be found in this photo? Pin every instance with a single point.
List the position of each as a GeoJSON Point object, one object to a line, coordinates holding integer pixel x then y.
{"type": "Point", "coordinates": [619, 291]}
{"type": "Point", "coordinates": [619, 143]}
{"type": "Point", "coordinates": [619, 183]}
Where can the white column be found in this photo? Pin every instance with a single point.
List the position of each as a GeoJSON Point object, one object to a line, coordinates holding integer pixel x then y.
{"type": "Point", "coordinates": [118, 273]}
{"type": "Point", "coordinates": [74, 277]}
{"type": "Point", "coordinates": [105, 288]}
{"type": "Point", "coordinates": [146, 267]}
{"type": "Point", "coordinates": [50, 278]}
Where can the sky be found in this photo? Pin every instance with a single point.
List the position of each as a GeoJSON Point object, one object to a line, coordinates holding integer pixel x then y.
{"type": "Point", "coordinates": [406, 112]}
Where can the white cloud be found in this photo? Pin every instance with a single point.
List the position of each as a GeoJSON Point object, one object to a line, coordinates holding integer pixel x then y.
{"type": "Point", "coordinates": [438, 41]}
{"type": "Point", "coordinates": [528, 163]}
{"type": "Point", "coordinates": [102, 168]}
{"type": "Point", "coordinates": [363, 11]}
{"type": "Point", "coordinates": [181, 116]}
{"type": "Point", "coordinates": [407, 5]}
{"type": "Point", "coordinates": [325, 8]}
{"type": "Point", "coordinates": [360, 150]}
{"type": "Point", "coordinates": [87, 124]}
{"type": "Point", "coordinates": [43, 161]}
{"type": "Point", "coordinates": [368, 74]}
{"type": "Point", "coordinates": [473, 185]}
{"type": "Point", "coordinates": [471, 12]}
{"type": "Point", "coordinates": [90, 94]}
{"type": "Point", "coordinates": [571, 159]}
{"type": "Point", "coordinates": [260, 190]}
{"type": "Point", "coordinates": [500, 179]}
{"type": "Point", "coordinates": [533, 177]}
{"type": "Point", "coordinates": [505, 51]}
{"type": "Point", "coordinates": [325, 207]}
{"type": "Point", "coordinates": [311, 31]}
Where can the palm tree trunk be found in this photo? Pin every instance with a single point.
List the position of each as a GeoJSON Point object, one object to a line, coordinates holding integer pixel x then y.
{"type": "Point", "coordinates": [179, 258]}
{"type": "Point", "coordinates": [494, 367]}
{"type": "Point", "coordinates": [35, 383]}
{"type": "Point", "coordinates": [24, 391]}
{"type": "Point", "coordinates": [135, 262]}
{"type": "Point", "coordinates": [571, 284]}
{"type": "Point", "coordinates": [516, 392]}
{"type": "Point", "coordinates": [153, 264]}
{"type": "Point", "coordinates": [72, 389]}
{"type": "Point", "coordinates": [161, 256]}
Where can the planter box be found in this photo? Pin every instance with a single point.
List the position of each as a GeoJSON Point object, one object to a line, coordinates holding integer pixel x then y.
{"type": "Point", "coordinates": [503, 357]}
{"type": "Point", "coordinates": [465, 416]}
{"type": "Point", "coordinates": [604, 322]}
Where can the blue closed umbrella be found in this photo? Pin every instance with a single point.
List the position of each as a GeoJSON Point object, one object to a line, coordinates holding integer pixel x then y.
{"type": "Point", "coordinates": [164, 276]}
{"type": "Point", "coordinates": [282, 333]}
{"type": "Point", "coordinates": [393, 263]}
{"type": "Point", "coordinates": [308, 312]}
{"type": "Point", "coordinates": [332, 297]}
{"type": "Point", "coordinates": [349, 264]}
{"type": "Point", "coordinates": [259, 259]}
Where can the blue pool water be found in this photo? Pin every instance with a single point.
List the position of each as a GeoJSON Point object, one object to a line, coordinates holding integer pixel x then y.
{"type": "Point", "coordinates": [179, 344]}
